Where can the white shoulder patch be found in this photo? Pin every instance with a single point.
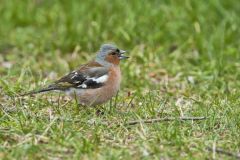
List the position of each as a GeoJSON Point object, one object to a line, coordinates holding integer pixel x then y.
{"type": "Point", "coordinates": [101, 79]}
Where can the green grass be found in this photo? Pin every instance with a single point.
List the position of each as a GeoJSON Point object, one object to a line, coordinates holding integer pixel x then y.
{"type": "Point", "coordinates": [184, 61]}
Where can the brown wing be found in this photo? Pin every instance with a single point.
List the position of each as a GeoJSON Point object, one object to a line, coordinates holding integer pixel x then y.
{"type": "Point", "coordinates": [85, 77]}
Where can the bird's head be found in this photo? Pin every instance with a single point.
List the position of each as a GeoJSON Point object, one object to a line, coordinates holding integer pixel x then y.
{"type": "Point", "coordinates": [109, 54]}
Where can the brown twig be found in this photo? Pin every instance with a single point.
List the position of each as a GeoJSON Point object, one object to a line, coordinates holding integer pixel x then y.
{"type": "Point", "coordinates": [142, 121]}
{"type": "Point", "coordinates": [165, 119]}
{"type": "Point", "coordinates": [221, 151]}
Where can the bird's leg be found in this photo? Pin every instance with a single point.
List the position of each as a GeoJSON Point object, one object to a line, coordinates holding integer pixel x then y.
{"type": "Point", "coordinates": [100, 110]}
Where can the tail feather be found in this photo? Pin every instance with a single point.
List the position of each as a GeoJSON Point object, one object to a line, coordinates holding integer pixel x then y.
{"type": "Point", "coordinates": [50, 88]}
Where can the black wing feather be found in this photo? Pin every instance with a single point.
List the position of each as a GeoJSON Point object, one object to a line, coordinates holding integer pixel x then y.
{"type": "Point", "coordinates": [83, 79]}
{"type": "Point", "coordinates": [92, 84]}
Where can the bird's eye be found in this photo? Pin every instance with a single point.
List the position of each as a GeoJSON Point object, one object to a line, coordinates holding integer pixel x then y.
{"type": "Point", "coordinates": [115, 52]}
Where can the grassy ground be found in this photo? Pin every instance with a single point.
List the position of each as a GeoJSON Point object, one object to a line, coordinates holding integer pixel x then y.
{"type": "Point", "coordinates": [184, 61]}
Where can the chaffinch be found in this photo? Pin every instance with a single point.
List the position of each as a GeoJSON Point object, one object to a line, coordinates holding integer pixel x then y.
{"type": "Point", "coordinates": [93, 83]}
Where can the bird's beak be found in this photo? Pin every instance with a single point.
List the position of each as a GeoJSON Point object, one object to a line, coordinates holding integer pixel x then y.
{"type": "Point", "coordinates": [121, 55]}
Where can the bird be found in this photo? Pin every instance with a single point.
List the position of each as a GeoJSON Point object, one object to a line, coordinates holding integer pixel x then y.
{"type": "Point", "coordinates": [93, 83]}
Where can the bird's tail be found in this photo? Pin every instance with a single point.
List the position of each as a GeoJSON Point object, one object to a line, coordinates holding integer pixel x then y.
{"type": "Point", "coordinates": [49, 88]}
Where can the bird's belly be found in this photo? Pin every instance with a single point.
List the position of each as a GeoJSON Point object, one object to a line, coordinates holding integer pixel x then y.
{"type": "Point", "coordinates": [92, 97]}
{"type": "Point", "coordinates": [73, 92]}
{"type": "Point", "coordinates": [97, 97]}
